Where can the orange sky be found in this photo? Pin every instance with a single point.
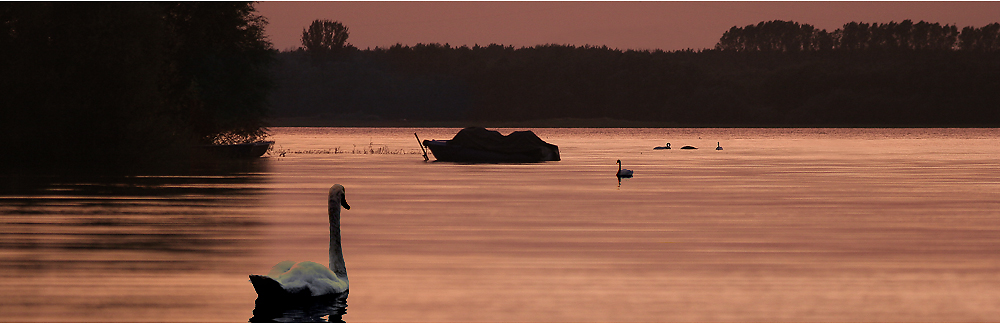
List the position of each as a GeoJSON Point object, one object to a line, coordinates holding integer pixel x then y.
{"type": "Point", "coordinates": [624, 25]}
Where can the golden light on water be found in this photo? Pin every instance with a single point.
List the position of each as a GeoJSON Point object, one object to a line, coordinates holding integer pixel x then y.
{"type": "Point", "coordinates": [802, 225]}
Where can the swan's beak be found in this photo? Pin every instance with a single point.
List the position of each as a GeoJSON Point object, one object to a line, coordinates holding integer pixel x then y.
{"type": "Point", "coordinates": [343, 202]}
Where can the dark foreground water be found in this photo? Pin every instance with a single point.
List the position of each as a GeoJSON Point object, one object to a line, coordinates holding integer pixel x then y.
{"type": "Point", "coordinates": [803, 225]}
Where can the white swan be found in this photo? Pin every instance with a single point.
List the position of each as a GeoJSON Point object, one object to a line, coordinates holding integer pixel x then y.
{"type": "Point", "coordinates": [623, 173]}
{"type": "Point", "coordinates": [718, 146]}
{"type": "Point", "coordinates": [307, 278]}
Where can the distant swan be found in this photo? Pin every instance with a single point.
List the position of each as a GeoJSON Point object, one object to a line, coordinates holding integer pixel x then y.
{"type": "Point", "coordinates": [718, 146]}
{"type": "Point", "coordinates": [667, 147]}
{"type": "Point", "coordinates": [689, 147]}
{"type": "Point", "coordinates": [288, 279]}
{"type": "Point", "coordinates": [623, 173]}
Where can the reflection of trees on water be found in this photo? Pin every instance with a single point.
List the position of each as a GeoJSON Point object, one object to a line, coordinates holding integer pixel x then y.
{"type": "Point", "coordinates": [191, 217]}
{"type": "Point", "coordinates": [326, 309]}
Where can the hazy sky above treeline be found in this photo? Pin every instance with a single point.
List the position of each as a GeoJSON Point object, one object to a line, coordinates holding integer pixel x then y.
{"type": "Point", "coordinates": [618, 24]}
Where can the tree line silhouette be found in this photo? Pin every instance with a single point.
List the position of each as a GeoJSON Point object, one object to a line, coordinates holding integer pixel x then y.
{"type": "Point", "coordinates": [789, 36]}
{"type": "Point", "coordinates": [774, 73]}
{"type": "Point", "coordinates": [119, 86]}
{"type": "Point", "coordinates": [92, 87]}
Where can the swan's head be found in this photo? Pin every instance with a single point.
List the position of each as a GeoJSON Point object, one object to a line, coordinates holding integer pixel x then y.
{"type": "Point", "coordinates": [337, 196]}
{"type": "Point", "coordinates": [619, 162]}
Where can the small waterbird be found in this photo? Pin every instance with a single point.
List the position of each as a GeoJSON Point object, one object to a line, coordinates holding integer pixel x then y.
{"type": "Point", "coordinates": [623, 173]}
{"type": "Point", "coordinates": [665, 147]}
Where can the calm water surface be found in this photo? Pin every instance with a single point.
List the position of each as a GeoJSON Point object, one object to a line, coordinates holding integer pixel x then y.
{"type": "Point", "coordinates": [803, 225]}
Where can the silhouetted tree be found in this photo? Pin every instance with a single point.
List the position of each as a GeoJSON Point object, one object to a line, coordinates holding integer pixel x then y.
{"type": "Point", "coordinates": [125, 85]}
{"type": "Point", "coordinates": [774, 36]}
{"type": "Point", "coordinates": [324, 37]}
{"type": "Point", "coordinates": [222, 75]}
{"type": "Point", "coordinates": [853, 36]}
{"type": "Point", "coordinates": [897, 36]}
{"type": "Point", "coordinates": [984, 39]}
{"type": "Point", "coordinates": [927, 36]}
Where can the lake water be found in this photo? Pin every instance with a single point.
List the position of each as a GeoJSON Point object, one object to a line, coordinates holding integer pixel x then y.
{"type": "Point", "coordinates": [801, 225]}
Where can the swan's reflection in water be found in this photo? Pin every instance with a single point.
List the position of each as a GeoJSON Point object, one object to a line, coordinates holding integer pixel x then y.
{"type": "Point", "coordinates": [330, 308]}
{"type": "Point", "coordinates": [620, 180]}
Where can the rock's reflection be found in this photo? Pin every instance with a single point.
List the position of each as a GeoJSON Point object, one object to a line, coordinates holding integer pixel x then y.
{"type": "Point", "coordinates": [329, 308]}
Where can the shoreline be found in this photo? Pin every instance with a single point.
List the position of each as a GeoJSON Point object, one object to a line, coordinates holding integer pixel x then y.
{"type": "Point", "coordinates": [559, 123]}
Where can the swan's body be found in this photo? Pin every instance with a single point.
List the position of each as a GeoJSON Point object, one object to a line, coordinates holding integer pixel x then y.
{"type": "Point", "coordinates": [667, 147]}
{"type": "Point", "coordinates": [317, 278]}
{"type": "Point", "coordinates": [308, 278]}
{"type": "Point", "coordinates": [689, 147]}
{"type": "Point", "coordinates": [623, 173]}
{"type": "Point", "coordinates": [718, 146]}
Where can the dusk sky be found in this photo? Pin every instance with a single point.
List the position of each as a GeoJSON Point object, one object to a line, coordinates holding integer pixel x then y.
{"type": "Point", "coordinates": [624, 25]}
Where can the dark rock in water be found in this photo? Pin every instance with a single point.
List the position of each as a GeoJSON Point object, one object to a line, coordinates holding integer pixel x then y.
{"type": "Point", "coordinates": [479, 145]}
{"type": "Point", "coordinates": [689, 147]}
{"type": "Point", "coordinates": [274, 304]}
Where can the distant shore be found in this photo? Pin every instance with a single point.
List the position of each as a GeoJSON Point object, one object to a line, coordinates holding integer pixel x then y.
{"type": "Point", "coordinates": [544, 123]}
{"type": "Point", "coordinates": [557, 123]}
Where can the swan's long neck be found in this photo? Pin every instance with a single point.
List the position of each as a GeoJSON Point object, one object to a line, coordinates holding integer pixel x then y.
{"type": "Point", "coordinates": [337, 264]}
